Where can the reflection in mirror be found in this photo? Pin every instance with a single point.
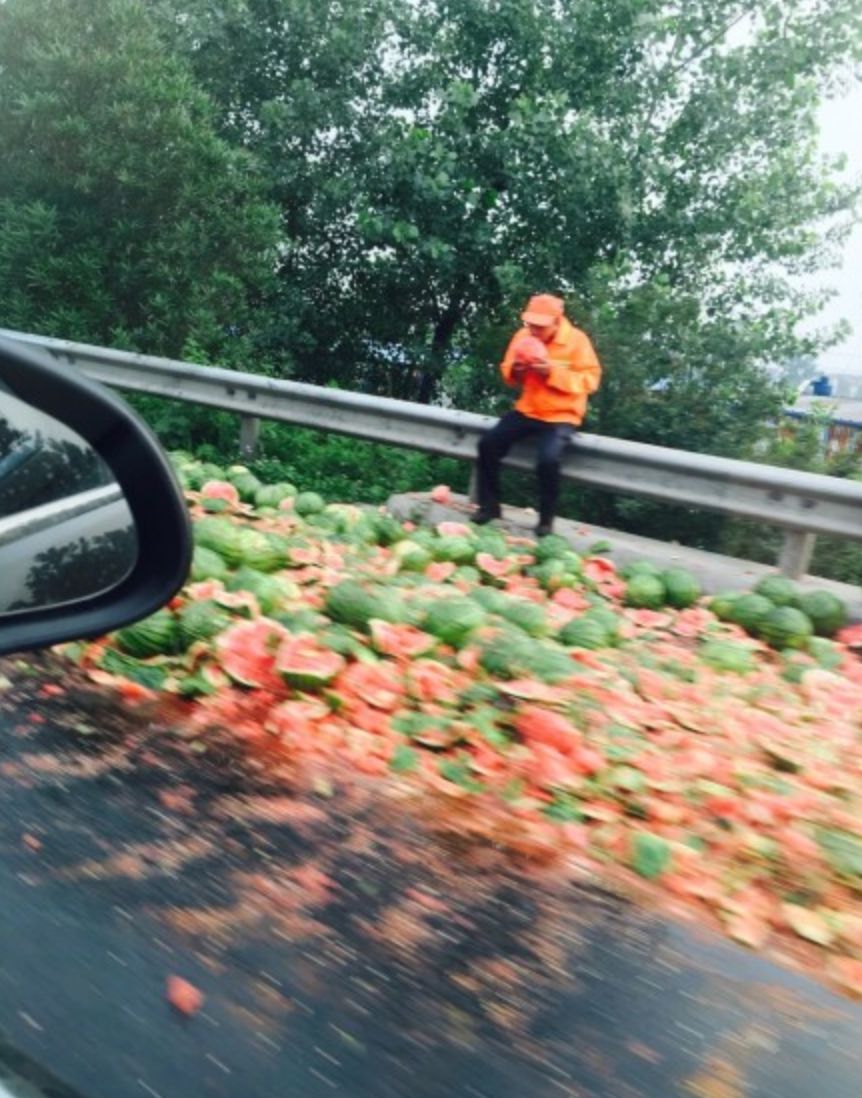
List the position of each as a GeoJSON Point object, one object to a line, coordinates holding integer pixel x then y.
{"type": "Point", "coordinates": [66, 532]}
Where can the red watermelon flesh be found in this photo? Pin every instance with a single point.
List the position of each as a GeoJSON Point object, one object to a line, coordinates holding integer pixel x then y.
{"type": "Point", "coordinates": [246, 651]}
{"type": "Point", "coordinates": [305, 663]}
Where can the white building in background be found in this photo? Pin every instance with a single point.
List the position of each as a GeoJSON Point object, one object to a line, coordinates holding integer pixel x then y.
{"type": "Point", "coordinates": [839, 396]}
{"type": "Point", "coordinates": [834, 386]}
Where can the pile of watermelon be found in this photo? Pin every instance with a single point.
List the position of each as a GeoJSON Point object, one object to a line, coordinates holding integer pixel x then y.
{"type": "Point", "coordinates": [785, 617]}
{"type": "Point", "coordinates": [624, 718]}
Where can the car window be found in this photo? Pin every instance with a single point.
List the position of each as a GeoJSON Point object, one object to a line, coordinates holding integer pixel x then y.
{"type": "Point", "coordinates": [52, 480]}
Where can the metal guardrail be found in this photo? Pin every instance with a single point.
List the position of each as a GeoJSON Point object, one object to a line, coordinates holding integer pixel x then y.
{"type": "Point", "coordinates": [804, 504]}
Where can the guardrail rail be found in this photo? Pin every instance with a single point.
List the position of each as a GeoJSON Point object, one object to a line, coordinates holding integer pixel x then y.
{"type": "Point", "coordinates": [802, 504]}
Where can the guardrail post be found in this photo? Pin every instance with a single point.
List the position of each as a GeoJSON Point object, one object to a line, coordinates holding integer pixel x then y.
{"type": "Point", "coordinates": [796, 551]}
{"type": "Point", "coordinates": [473, 489]}
{"type": "Point", "coordinates": [249, 433]}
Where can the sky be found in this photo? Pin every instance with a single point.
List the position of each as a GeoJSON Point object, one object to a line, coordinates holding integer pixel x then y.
{"type": "Point", "coordinates": [841, 131]}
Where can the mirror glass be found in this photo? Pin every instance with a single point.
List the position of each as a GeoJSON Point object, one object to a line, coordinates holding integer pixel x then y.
{"type": "Point", "coordinates": [66, 532]}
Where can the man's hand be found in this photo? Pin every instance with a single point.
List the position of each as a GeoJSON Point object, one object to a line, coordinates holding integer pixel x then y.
{"type": "Point", "coordinates": [519, 371]}
{"type": "Point", "coordinates": [541, 368]}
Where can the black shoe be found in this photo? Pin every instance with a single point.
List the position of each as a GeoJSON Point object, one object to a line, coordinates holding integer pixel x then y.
{"type": "Point", "coordinates": [485, 515]}
{"type": "Point", "coordinates": [543, 529]}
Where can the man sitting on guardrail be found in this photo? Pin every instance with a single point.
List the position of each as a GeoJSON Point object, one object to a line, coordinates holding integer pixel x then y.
{"type": "Point", "coordinates": [556, 367]}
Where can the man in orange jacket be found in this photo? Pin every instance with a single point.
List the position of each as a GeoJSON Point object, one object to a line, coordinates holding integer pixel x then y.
{"type": "Point", "coordinates": [556, 367]}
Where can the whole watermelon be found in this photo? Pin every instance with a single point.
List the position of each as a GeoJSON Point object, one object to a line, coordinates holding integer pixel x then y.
{"type": "Point", "coordinates": [527, 615]}
{"type": "Point", "coordinates": [352, 604]}
{"type": "Point", "coordinates": [722, 604]}
{"type": "Point", "coordinates": [553, 545]}
{"type": "Point", "coordinates": [247, 485]}
{"type": "Point", "coordinates": [458, 550]}
{"type": "Point", "coordinates": [221, 535]}
{"type": "Point", "coordinates": [303, 619]}
{"type": "Point", "coordinates": [785, 627]}
{"type": "Point", "coordinates": [308, 503]}
{"type": "Point", "coordinates": [573, 562]}
{"type": "Point", "coordinates": [505, 653]}
{"type": "Point", "coordinates": [411, 556]}
{"type": "Point", "coordinates": [725, 655]}
{"type": "Point", "coordinates": [489, 540]}
{"type": "Point", "coordinates": [682, 588]}
{"type": "Point", "coordinates": [193, 476]}
{"type": "Point", "coordinates": [510, 654]}
{"type": "Point", "coordinates": [388, 529]}
{"type": "Point", "coordinates": [344, 516]}
{"type": "Point", "coordinates": [261, 551]}
{"type": "Point", "coordinates": [489, 598]}
{"type": "Point", "coordinates": [201, 620]}
{"type": "Point", "coordinates": [750, 610]}
{"type": "Point", "coordinates": [207, 565]}
{"type": "Point", "coordinates": [584, 632]}
{"type": "Point", "coordinates": [639, 568]}
{"type": "Point", "coordinates": [609, 620]}
{"type": "Point", "coordinates": [645, 590]}
{"type": "Point", "coordinates": [551, 574]}
{"type": "Point", "coordinates": [452, 620]}
{"type": "Point", "coordinates": [778, 589]}
{"type": "Point", "coordinates": [827, 612]}
{"type": "Point", "coordinates": [271, 495]}
{"type": "Point", "coordinates": [549, 662]}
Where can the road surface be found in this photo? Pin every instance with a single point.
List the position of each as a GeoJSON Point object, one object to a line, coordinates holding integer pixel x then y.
{"type": "Point", "coordinates": [344, 947]}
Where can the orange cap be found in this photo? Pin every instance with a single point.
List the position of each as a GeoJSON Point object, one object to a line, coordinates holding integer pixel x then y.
{"type": "Point", "coordinates": [543, 309]}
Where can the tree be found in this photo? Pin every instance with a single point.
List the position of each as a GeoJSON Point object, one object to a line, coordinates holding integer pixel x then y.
{"type": "Point", "coordinates": [124, 218]}
{"type": "Point", "coordinates": [653, 161]}
{"type": "Point", "coordinates": [294, 81]}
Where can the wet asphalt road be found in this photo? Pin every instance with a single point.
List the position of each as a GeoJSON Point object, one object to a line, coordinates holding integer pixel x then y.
{"type": "Point", "coordinates": [343, 950]}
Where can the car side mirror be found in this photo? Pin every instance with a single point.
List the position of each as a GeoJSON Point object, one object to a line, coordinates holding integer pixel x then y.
{"type": "Point", "coordinates": [94, 530]}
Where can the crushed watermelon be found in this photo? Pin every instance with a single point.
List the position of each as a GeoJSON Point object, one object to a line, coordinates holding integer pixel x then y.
{"type": "Point", "coordinates": [667, 742]}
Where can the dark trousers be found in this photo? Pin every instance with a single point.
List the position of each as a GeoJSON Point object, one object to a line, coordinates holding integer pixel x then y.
{"type": "Point", "coordinates": [551, 440]}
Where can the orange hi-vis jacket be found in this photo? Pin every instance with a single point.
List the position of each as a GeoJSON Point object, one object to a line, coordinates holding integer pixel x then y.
{"type": "Point", "coordinates": [561, 397]}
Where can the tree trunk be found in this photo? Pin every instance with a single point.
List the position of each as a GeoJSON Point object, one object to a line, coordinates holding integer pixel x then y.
{"type": "Point", "coordinates": [443, 332]}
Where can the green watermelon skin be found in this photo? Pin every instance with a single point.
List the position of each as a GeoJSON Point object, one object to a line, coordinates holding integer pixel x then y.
{"type": "Point", "coordinates": [207, 565]}
{"type": "Point", "coordinates": [157, 635]}
{"type": "Point", "coordinates": [786, 627]}
{"type": "Point", "coordinates": [826, 611]}
{"type": "Point", "coordinates": [200, 621]}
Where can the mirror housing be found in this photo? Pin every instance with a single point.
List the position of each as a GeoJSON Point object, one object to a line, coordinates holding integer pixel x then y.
{"type": "Point", "coordinates": [144, 477]}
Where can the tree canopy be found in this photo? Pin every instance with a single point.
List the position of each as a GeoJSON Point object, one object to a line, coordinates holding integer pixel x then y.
{"type": "Point", "coordinates": [125, 219]}
{"type": "Point", "coordinates": [654, 162]}
{"type": "Point", "coordinates": [432, 163]}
